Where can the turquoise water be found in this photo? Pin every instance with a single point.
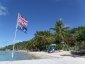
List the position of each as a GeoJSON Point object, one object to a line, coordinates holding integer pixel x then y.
{"type": "Point", "coordinates": [6, 56]}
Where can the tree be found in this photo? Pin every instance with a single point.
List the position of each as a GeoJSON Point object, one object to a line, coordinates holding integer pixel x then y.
{"type": "Point", "coordinates": [43, 38]}
{"type": "Point", "coordinates": [81, 36]}
{"type": "Point", "coordinates": [60, 31]}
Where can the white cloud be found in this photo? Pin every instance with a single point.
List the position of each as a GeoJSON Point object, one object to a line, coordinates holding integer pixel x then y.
{"type": "Point", "coordinates": [3, 10]}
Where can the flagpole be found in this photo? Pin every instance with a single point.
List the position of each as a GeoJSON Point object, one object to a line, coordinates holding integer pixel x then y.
{"type": "Point", "coordinates": [14, 39]}
{"type": "Point", "coordinates": [14, 43]}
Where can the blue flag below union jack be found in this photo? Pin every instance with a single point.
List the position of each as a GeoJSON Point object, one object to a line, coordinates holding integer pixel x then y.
{"type": "Point", "coordinates": [22, 23]}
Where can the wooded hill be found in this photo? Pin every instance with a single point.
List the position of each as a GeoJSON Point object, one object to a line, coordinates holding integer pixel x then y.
{"type": "Point", "coordinates": [73, 39]}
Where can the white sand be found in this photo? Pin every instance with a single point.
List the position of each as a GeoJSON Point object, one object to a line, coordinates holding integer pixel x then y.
{"type": "Point", "coordinates": [45, 55]}
{"type": "Point", "coordinates": [50, 58]}
{"type": "Point", "coordinates": [66, 60]}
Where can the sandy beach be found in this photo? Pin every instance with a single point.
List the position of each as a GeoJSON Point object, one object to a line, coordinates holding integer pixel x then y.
{"type": "Point", "coordinates": [49, 61]}
{"type": "Point", "coordinates": [63, 57]}
{"type": "Point", "coordinates": [46, 55]}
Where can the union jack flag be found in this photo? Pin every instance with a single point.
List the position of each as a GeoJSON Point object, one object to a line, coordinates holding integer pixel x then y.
{"type": "Point", "coordinates": [22, 23]}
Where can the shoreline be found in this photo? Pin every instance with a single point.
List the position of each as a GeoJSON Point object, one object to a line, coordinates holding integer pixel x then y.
{"type": "Point", "coordinates": [48, 58]}
{"type": "Point", "coordinates": [41, 54]}
{"type": "Point", "coordinates": [46, 55]}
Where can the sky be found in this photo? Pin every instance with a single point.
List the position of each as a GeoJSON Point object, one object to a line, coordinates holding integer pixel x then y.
{"type": "Point", "coordinates": [40, 14]}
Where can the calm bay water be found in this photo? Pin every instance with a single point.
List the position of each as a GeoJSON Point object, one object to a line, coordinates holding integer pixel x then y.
{"type": "Point", "coordinates": [6, 56]}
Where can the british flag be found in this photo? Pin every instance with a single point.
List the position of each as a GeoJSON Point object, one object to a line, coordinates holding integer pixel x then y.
{"type": "Point", "coordinates": [22, 23]}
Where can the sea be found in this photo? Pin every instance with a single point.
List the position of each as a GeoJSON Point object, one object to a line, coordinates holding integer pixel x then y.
{"type": "Point", "coordinates": [7, 56]}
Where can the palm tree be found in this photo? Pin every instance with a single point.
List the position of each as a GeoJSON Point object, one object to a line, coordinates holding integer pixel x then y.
{"type": "Point", "coordinates": [60, 31]}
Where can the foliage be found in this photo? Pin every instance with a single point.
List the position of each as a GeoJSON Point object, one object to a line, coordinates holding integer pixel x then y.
{"type": "Point", "coordinates": [65, 38]}
{"type": "Point", "coordinates": [43, 38]}
{"type": "Point", "coordinates": [61, 33]}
